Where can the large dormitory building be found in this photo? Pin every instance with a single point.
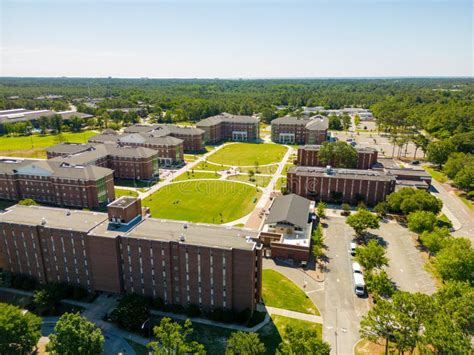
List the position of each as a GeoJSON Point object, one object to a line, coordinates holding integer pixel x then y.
{"type": "Point", "coordinates": [124, 251]}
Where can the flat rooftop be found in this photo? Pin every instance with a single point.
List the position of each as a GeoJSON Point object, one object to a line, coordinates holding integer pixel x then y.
{"type": "Point", "coordinates": [194, 233]}
{"type": "Point", "coordinates": [58, 218]}
{"type": "Point", "coordinates": [341, 173]}
{"type": "Point", "coordinates": [122, 202]}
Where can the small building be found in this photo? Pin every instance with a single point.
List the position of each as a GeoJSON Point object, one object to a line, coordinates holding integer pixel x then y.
{"type": "Point", "coordinates": [295, 130]}
{"type": "Point", "coordinates": [406, 177]}
{"type": "Point", "coordinates": [308, 156]}
{"type": "Point", "coordinates": [288, 227]}
{"type": "Point", "coordinates": [227, 127]}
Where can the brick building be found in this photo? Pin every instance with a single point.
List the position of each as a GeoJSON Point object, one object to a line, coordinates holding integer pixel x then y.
{"type": "Point", "coordinates": [192, 137]}
{"type": "Point", "coordinates": [127, 162]}
{"type": "Point", "coordinates": [184, 264]}
{"type": "Point", "coordinates": [308, 156]}
{"type": "Point", "coordinates": [294, 130]}
{"type": "Point", "coordinates": [340, 185]}
{"type": "Point", "coordinates": [55, 182]}
{"type": "Point", "coordinates": [169, 149]}
{"type": "Point", "coordinates": [227, 127]}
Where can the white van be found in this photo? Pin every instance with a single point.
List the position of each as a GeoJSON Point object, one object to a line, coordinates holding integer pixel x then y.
{"type": "Point", "coordinates": [359, 284]}
{"type": "Point", "coordinates": [356, 268]}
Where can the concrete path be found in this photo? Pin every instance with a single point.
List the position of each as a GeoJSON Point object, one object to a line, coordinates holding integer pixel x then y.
{"type": "Point", "coordinates": [296, 315]}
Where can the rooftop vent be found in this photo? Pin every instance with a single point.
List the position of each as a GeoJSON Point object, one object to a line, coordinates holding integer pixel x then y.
{"type": "Point", "coordinates": [185, 226]}
{"type": "Point", "coordinates": [43, 221]}
{"type": "Point", "coordinates": [328, 169]}
{"type": "Point", "coordinates": [68, 212]}
{"type": "Point", "coordinates": [182, 238]}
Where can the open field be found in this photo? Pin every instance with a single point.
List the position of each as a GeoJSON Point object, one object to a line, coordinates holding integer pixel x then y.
{"type": "Point", "coordinates": [280, 292]}
{"type": "Point", "coordinates": [258, 179]}
{"type": "Point", "coordinates": [267, 169]}
{"type": "Point", "coordinates": [33, 146]}
{"type": "Point", "coordinates": [203, 201]}
{"type": "Point", "coordinates": [242, 154]}
{"type": "Point", "coordinates": [123, 192]}
{"type": "Point", "coordinates": [204, 165]}
{"type": "Point", "coordinates": [190, 175]}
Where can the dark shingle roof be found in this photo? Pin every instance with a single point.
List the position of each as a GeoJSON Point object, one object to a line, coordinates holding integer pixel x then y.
{"type": "Point", "coordinates": [290, 208]}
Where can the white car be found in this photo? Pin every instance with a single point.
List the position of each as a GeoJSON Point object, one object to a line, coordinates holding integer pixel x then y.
{"type": "Point", "coordinates": [352, 248]}
{"type": "Point", "coordinates": [356, 268]}
{"type": "Point", "coordinates": [359, 284]}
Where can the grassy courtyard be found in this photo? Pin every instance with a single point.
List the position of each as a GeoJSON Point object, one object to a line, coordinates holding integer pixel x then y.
{"type": "Point", "coordinates": [124, 192]}
{"type": "Point", "coordinates": [203, 201]}
{"type": "Point", "coordinates": [280, 292]}
{"type": "Point", "coordinates": [247, 154]}
{"type": "Point", "coordinates": [192, 175]}
{"type": "Point", "coordinates": [34, 146]}
{"type": "Point", "coordinates": [259, 180]}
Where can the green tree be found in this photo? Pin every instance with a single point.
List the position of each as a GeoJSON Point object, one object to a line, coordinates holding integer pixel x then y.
{"type": "Point", "coordinates": [19, 330]}
{"type": "Point", "coordinates": [243, 343]}
{"type": "Point", "coordinates": [346, 122]}
{"type": "Point", "coordinates": [464, 179]}
{"type": "Point", "coordinates": [362, 220]}
{"type": "Point", "coordinates": [357, 120]}
{"type": "Point", "coordinates": [444, 336]}
{"type": "Point", "coordinates": [321, 209]}
{"type": "Point", "coordinates": [27, 202]}
{"type": "Point", "coordinates": [76, 123]}
{"type": "Point", "coordinates": [302, 341]}
{"type": "Point", "coordinates": [381, 209]}
{"type": "Point", "coordinates": [379, 284]}
{"type": "Point", "coordinates": [408, 200]}
{"type": "Point", "coordinates": [43, 122]}
{"type": "Point", "coordinates": [438, 151]}
{"type": "Point", "coordinates": [335, 123]}
{"type": "Point", "coordinates": [435, 240]}
{"type": "Point", "coordinates": [421, 221]}
{"type": "Point", "coordinates": [131, 312]}
{"type": "Point", "coordinates": [371, 256]}
{"type": "Point", "coordinates": [456, 162]}
{"type": "Point", "coordinates": [75, 335]}
{"type": "Point", "coordinates": [172, 339]}
{"type": "Point", "coordinates": [456, 260]}
{"type": "Point", "coordinates": [56, 122]}
{"type": "Point", "coordinates": [339, 154]}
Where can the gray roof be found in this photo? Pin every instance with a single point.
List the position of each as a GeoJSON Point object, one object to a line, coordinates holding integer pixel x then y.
{"type": "Point", "coordinates": [58, 218]}
{"type": "Point", "coordinates": [194, 233]}
{"type": "Point", "coordinates": [289, 208]}
{"type": "Point", "coordinates": [101, 138]}
{"type": "Point", "coordinates": [60, 169]}
{"type": "Point", "coordinates": [318, 147]}
{"type": "Point", "coordinates": [140, 128]}
{"type": "Point", "coordinates": [317, 122]}
{"type": "Point", "coordinates": [19, 115]}
{"type": "Point", "coordinates": [10, 165]}
{"type": "Point", "coordinates": [160, 130]}
{"type": "Point", "coordinates": [341, 173]}
{"type": "Point", "coordinates": [149, 138]}
{"type": "Point", "coordinates": [409, 172]}
{"type": "Point", "coordinates": [69, 148]}
{"type": "Point", "coordinates": [227, 117]}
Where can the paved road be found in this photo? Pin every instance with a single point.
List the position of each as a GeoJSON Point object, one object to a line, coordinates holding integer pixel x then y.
{"type": "Point", "coordinates": [462, 213]}
{"type": "Point", "coordinates": [405, 262]}
{"type": "Point", "coordinates": [342, 310]}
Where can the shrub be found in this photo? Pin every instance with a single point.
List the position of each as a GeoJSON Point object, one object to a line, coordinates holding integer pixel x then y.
{"type": "Point", "coordinates": [132, 311]}
{"type": "Point", "coordinates": [420, 221]}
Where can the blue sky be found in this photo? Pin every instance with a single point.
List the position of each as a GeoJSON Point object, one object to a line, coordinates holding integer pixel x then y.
{"type": "Point", "coordinates": [236, 39]}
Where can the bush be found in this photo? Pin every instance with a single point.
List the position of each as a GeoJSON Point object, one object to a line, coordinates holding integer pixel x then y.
{"type": "Point", "coordinates": [132, 311]}
{"type": "Point", "coordinates": [420, 221]}
{"type": "Point", "coordinates": [408, 200]}
{"type": "Point", "coordinates": [346, 209]}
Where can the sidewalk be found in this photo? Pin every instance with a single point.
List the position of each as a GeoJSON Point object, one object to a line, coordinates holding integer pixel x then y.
{"type": "Point", "coordinates": [295, 315]}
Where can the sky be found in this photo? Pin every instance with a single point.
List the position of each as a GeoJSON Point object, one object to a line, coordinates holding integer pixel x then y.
{"type": "Point", "coordinates": [236, 39]}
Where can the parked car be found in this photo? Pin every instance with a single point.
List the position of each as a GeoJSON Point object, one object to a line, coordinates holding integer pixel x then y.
{"type": "Point", "coordinates": [356, 268]}
{"type": "Point", "coordinates": [352, 248]}
{"type": "Point", "coordinates": [415, 162]}
{"type": "Point", "coordinates": [359, 284]}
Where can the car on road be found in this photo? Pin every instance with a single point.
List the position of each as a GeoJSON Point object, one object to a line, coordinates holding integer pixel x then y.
{"type": "Point", "coordinates": [352, 248]}
{"type": "Point", "coordinates": [359, 284]}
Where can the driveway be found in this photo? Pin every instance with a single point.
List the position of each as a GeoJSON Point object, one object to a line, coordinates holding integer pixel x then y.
{"type": "Point", "coordinates": [406, 265]}
{"type": "Point", "coordinates": [341, 309]}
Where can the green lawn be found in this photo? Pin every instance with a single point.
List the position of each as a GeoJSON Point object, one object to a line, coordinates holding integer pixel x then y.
{"type": "Point", "coordinates": [258, 179]}
{"type": "Point", "coordinates": [281, 182]}
{"type": "Point", "coordinates": [435, 173]}
{"type": "Point", "coordinates": [242, 154]}
{"type": "Point", "coordinates": [280, 292]}
{"type": "Point", "coordinates": [123, 192]}
{"type": "Point", "coordinates": [465, 200]}
{"type": "Point", "coordinates": [203, 201]}
{"type": "Point", "coordinates": [209, 167]}
{"type": "Point", "coordinates": [34, 146]}
{"type": "Point", "coordinates": [189, 175]}
{"type": "Point", "coordinates": [267, 169]}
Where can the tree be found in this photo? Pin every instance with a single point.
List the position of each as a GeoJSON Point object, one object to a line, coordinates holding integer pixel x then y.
{"type": "Point", "coordinates": [302, 341]}
{"type": "Point", "coordinates": [27, 202]}
{"type": "Point", "coordinates": [335, 123]}
{"type": "Point", "coordinates": [346, 122]}
{"type": "Point", "coordinates": [379, 284]}
{"type": "Point", "coordinates": [268, 115]}
{"type": "Point", "coordinates": [131, 312]}
{"type": "Point", "coordinates": [243, 343]}
{"type": "Point", "coordinates": [456, 260]}
{"type": "Point", "coordinates": [321, 209]}
{"type": "Point", "coordinates": [56, 122]}
{"type": "Point", "coordinates": [73, 335]}
{"type": "Point", "coordinates": [381, 209]}
{"type": "Point", "coordinates": [438, 151]}
{"type": "Point", "coordinates": [346, 209]}
{"type": "Point", "coordinates": [362, 220]}
{"type": "Point", "coordinates": [379, 323]}
{"type": "Point", "coordinates": [434, 240]}
{"type": "Point", "coordinates": [357, 120]}
{"type": "Point", "coordinates": [338, 154]}
{"type": "Point", "coordinates": [371, 256]}
{"type": "Point", "coordinates": [408, 200]}
{"type": "Point", "coordinates": [442, 334]}
{"type": "Point", "coordinates": [456, 162]}
{"type": "Point", "coordinates": [76, 123]}
{"type": "Point", "coordinates": [19, 330]}
{"type": "Point", "coordinates": [43, 122]}
{"type": "Point", "coordinates": [251, 175]}
{"type": "Point", "coordinates": [420, 141]}
{"type": "Point", "coordinates": [172, 339]}
{"type": "Point", "coordinates": [464, 179]}
{"type": "Point", "coordinates": [420, 221]}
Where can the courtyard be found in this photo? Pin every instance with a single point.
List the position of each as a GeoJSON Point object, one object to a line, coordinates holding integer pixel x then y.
{"type": "Point", "coordinates": [204, 201]}
{"type": "Point", "coordinates": [248, 154]}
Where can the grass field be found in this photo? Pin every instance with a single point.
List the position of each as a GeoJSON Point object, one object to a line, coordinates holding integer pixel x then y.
{"type": "Point", "coordinates": [242, 154]}
{"type": "Point", "coordinates": [34, 146]}
{"type": "Point", "coordinates": [189, 175]}
{"type": "Point", "coordinates": [258, 179]}
{"type": "Point", "coordinates": [280, 292]}
{"type": "Point", "coordinates": [123, 192]}
{"type": "Point", "coordinates": [203, 201]}
{"type": "Point", "coordinates": [209, 167]}
{"type": "Point", "coordinates": [436, 174]}
{"type": "Point", "coordinates": [281, 182]}
{"type": "Point", "coordinates": [267, 169]}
